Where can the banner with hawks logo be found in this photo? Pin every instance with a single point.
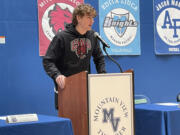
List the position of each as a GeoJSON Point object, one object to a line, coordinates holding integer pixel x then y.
{"type": "Point", "coordinates": [167, 26]}
{"type": "Point", "coordinates": [120, 26]}
{"type": "Point", "coordinates": [53, 15]}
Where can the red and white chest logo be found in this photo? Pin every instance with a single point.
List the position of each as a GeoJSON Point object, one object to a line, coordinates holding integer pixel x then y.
{"type": "Point", "coordinates": [81, 47]}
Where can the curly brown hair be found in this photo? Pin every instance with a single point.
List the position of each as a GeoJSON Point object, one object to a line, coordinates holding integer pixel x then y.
{"type": "Point", "coordinates": [82, 10]}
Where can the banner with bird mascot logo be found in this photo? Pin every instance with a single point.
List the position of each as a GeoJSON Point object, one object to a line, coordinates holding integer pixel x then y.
{"type": "Point", "coordinates": [53, 15]}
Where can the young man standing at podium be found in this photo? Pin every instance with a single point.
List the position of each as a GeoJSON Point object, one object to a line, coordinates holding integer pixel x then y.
{"type": "Point", "coordinates": [70, 50]}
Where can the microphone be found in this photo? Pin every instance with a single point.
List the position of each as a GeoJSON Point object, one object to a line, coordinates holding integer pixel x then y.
{"type": "Point", "coordinates": [100, 39]}
{"type": "Point", "coordinates": [96, 35]}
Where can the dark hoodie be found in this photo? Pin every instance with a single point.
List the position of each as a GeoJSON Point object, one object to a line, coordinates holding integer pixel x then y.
{"type": "Point", "coordinates": [70, 52]}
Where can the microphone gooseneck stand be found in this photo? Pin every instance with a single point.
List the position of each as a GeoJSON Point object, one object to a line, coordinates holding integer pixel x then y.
{"type": "Point", "coordinates": [104, 48]}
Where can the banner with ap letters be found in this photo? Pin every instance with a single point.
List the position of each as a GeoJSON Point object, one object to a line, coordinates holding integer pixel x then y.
{"type": "Point", "coordinates": [52, 15]}
{"type": "Point", "coordinates": [167, 26]}
{"type": "Point", "coordinates": [119, 23]}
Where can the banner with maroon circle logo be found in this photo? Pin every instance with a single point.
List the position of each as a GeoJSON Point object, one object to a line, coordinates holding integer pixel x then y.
{"type": "Point", "coordinates": [53, 15]}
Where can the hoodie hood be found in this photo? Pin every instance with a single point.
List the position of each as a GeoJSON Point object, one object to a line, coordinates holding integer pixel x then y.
{"type": "Point", "coordinates": [70, 28]}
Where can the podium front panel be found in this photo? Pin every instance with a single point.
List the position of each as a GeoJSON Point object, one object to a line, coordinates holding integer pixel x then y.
{"type": "Point", "coordinates": [111, 104]}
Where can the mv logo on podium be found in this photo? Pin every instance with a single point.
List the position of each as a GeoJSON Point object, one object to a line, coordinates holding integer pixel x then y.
{"type": "Point", "coordinates": [111, 104]}
{"type": "Point", "coordinates": [111, 113]}
{"type": "Point", "coordinates": [109, 117]}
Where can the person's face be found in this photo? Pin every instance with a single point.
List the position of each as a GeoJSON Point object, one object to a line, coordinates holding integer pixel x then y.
{"type": "Point", "coordinates": [85, 22]}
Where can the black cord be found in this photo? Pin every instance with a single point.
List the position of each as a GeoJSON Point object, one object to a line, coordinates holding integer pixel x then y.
{"type": "Point", "coordinates": [104, 48]}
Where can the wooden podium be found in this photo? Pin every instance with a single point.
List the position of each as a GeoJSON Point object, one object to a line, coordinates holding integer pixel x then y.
{"type": "Point", "coordinates": [79, 100]}
{"type": "Point", "coordinates": [73, 103]}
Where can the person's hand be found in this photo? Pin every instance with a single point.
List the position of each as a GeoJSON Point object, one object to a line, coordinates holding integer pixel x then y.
{"type": "Point", "coordinates": [60, 80]}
